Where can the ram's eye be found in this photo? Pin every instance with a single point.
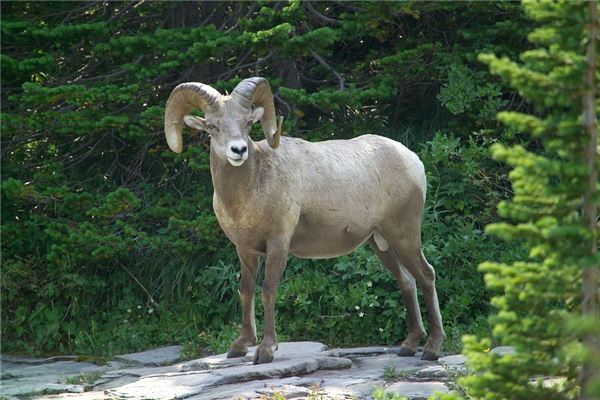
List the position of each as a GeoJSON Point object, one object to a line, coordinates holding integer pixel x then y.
{"type": "Point", "coordinates": [250, 123]}
{"type": "Point", "coordinates": [211, 126]}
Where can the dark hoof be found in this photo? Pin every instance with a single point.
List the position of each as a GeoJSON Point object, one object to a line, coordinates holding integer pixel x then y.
{"type": "Point", "coordinates": [263, 356]}
{"type": "Point", "coordinates": [233, 353]}
{"type": "Point", "coordinates": [406, 352]}
{"type": "Point", "coordinates": [429, 356]}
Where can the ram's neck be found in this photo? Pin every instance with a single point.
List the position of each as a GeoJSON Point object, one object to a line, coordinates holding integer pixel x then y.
{"type": "Point", "coordinates": [232, 184]}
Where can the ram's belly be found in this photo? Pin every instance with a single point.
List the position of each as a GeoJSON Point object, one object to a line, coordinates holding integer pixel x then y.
{"type": "Point", "coordinates": [326, 237]}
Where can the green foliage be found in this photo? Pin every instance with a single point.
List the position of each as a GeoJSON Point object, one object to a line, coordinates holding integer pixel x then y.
{"type": "Point", "coordinates": [380, 394]}
{"type": "Point", "coordinates": [84, 378]}
{"type": "Point", "coordinates": [109, 242]}
{"type": "Point", "coordinates": [538, 299]}
{"type": "Point", "coordinates": [391, 373]}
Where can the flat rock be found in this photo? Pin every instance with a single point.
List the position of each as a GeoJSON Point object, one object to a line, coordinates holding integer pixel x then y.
{"type": "Point", "coordinates": [416, 390]}
{"type": "Point", "coordinates": [299, 370]}
{"type": "Point", "coordinates": [373, 367]}
{"type": "Point", "coordinates": [351, 388]}
{"type": "Point", "coordinates": [253, 389]}
{"type": "Point", "coordinates": [194, 378]}
{"type": "Point", "coordinates": [364, 351]}
{"type": "Point", "coordinates": [27, 378]}
{"type": "Point", "coordinates": [287, 391]}
{"type": "Point", "coordinates": [155, 357]}
{"type": "Point", "coordinates": [4, 358]}
{"type": "Point", "coordinates": [454, 360]}
{"type": "Point", "coordinates": [167, 386]}
{"type": "Point", "coordinates": [286, 351]}
{"type": "Point", "coordinates": [455, 365]}
{"type": "Point", "coordinates": [432, 372]}
{"type": "Point", "coordinates": [95, 395]}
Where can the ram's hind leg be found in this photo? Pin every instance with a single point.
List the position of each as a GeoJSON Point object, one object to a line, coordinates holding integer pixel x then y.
{"type": "Point", "coordinates": [407, 285]}
{"type": "Point", "coordinates": [407, 245]}
{"type": "Point", "coordinates": [249, 267]}
{"type": "Point", "coordinates": [437, 335]}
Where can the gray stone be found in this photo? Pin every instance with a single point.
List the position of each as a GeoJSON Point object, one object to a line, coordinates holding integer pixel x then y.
{"type": "Point", "coordinates": [364, 351]}
{"type": "Point", "coordinates": [299, 370]}
{"type": "Point", "coordinates": [287, 391]}
{"type": "Point", "coordinates": [32, 387]}
{"type": "Point", "coordinates": [502, 350]}
{"type": "Point", "coordinates": [251, 389]}
{"type": "Point", "coordinates": [373, 367]}
{"type": "Point", "coordinates": [351, 388]}
{"type": "Point", "coordinates": [32, 377]}
{"type": "Point", "coordinates": [33, 360]}
{"type": "Point", "coordinates": [454, 360]}
{"type": "Point", "coordinates": [275, 369]}
{"type": "Point", "coordinates": [455, 364]}
{"type": "Point", "coordinates": [432, 372]}
{"type": "Point", "coordinates": [166, 386]}
{"type": "Point", "coordinates": [286, 351]}
{"type": "Point", "coordinates": [79, 396]}
{"type": "Point", "coordinates": [334, 363]}
{"type": "Point", "coordinates": [160, 356]}
{"type": "Point", "coordinates": [417, 390]}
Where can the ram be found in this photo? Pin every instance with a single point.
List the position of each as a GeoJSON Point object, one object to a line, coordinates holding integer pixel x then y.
{"type": "Point", "coordinates": [285, 195]}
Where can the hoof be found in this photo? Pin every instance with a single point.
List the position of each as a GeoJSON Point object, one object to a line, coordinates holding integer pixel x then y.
{"type": "Point", "coordinates": [406, 352]}
{"type": "Point", "coordinates": [235, 353]}
{"type": "Point", "coordinates": [429, 356]}
{"type": "Point", "coordinates": [263, 355]}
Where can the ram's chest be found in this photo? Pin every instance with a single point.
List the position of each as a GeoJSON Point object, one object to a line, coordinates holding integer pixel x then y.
{"type": "Point", "coordinates": [246, 225]}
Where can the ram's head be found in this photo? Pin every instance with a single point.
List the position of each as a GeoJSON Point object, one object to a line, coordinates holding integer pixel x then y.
{"type": "Point", "coordinates": [227, 119]}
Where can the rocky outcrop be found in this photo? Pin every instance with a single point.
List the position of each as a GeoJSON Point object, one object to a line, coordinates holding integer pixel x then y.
{"type": "Point", "coordinates": [300, 370]}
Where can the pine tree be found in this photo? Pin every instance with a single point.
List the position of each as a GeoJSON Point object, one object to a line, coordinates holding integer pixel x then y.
{"type": "Point", "coordinates": [539, 300]}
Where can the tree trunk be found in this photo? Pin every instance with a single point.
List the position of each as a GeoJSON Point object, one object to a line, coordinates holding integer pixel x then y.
{"type": "Point", "coordinates": [590, 211]}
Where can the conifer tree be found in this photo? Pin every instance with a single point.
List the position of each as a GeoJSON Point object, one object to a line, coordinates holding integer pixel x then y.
{"type": "Point", "coordinates": [539, 300]}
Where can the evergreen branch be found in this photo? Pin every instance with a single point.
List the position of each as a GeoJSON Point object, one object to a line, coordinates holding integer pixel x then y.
{"type": "Point", "coordinates": [320, 16]}
{"type": "Point", "coordinates": [324, 63]}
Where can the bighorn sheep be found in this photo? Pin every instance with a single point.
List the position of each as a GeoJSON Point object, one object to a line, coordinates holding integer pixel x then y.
{"type": "Point", "coordinates": [313, 200]}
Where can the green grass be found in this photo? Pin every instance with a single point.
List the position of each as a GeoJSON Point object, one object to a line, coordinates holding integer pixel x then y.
{"type": "Point", "coordinates": [84, 378]}
{"type": "Point", "coordinates": [391, 373]}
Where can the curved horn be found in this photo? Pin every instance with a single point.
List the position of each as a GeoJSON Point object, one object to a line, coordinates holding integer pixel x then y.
{"type": "Point", "coordinates": [257, 92]}
{"type": "Point", "coordinates": [183, 99]}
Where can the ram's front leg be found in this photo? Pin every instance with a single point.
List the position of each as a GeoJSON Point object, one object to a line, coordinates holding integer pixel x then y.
{"type": "Point", "coordinates": [249, 267]}
{"type": "Point", "coordinates": [277, 252]}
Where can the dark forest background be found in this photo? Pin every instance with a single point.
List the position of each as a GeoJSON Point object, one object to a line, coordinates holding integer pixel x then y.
{"type": "Point", "coordinates": [109, 242]}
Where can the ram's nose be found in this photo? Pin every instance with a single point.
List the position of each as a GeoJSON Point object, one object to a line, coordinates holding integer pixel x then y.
{"type": "Point", "coordinates": [239, 149]}
{"type": "Point", "coordinates": [237, 152]}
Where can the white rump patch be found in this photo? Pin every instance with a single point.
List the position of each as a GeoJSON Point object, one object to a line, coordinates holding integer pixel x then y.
{"type": "Point", "coordinates": [382, 244]}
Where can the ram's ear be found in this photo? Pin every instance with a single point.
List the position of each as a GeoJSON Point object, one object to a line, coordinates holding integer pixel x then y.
{"type": "Point", "coordinates": [195, 122]}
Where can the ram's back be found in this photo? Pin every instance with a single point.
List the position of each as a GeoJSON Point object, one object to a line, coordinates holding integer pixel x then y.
{"type": "Point", "coordinates": [346, 188]}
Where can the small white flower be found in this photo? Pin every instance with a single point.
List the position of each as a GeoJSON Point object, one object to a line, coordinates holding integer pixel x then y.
{"type": "Point", "coordinates": [361, 314]}
{"type": "Point", "coordinates": [139, 307]}
{"type": "Point", "coordinates": [129, 310]}
{"type": "Point", "coordinates": [380, 329]}
{"type": "Point", "coordinates": [357, 308]}
{"type": "Point", "coordinates": [369, 284]}
{"type": "Point", "coordinates": [150, 311]}
{"type": "Point", "coordinates": [237, 276]}
{"type": "Point", "coordinates": [371, 305]}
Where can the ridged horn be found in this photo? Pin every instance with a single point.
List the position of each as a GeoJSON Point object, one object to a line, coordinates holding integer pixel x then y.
{"type": "Point", "coordinates": [183, 99]}
{"type": "Point", "coordinates": [255, 92]}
